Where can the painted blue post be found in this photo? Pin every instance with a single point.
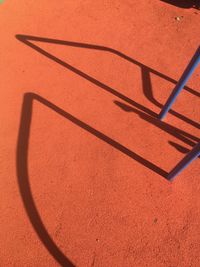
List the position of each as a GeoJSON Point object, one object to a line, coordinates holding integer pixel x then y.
{"type": "Point", "coordinates": [181, 83]}
{"type": "Point", "coordinates": [193, 154]}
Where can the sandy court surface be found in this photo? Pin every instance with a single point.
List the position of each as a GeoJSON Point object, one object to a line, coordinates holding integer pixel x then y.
{"type": "Point", "coordinates": [83, 157]}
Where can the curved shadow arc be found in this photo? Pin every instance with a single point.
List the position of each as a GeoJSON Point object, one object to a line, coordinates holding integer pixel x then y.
{"type": "Point", "coordinates": [24, 185]}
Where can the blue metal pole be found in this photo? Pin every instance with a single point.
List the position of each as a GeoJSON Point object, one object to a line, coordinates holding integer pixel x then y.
{"type": "Point", "coordinates": [193, 154]}
{"type": "Point", "coordinates": [181, 83]}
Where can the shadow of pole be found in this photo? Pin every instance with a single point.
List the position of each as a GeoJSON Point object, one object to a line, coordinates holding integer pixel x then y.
{"type": "Point", "coordinates": [178, 133]}
{"type": "Point", "coordinates": [183, 3]}
{"type": "Point", "coordinates": [147, 88]}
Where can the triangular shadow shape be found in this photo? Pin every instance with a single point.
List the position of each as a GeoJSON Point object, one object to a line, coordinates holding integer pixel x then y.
{"type": "Point", "coordinates": [147, 88]}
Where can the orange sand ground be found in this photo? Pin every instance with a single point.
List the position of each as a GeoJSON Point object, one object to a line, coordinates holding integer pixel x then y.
{"type": "Point", "coordinates": [83, 158]}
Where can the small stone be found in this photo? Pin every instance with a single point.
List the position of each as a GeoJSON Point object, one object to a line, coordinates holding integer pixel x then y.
{"type": "Point", "coordinates": [177, 18]}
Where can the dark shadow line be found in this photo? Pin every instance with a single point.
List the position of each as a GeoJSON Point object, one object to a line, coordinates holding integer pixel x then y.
{"type": "Point", "coordinates": [25, 38]}
{"type": "Point", "coordinates": [147, 87]}
{"type": "Point", "coordinates": [184, 3]}
{"type": "Point", "coordinates": [180, 148]}
{"type": "Point", "coordinates": [145, 72]}
{"type": "Point", "coordinates": [98, 134]}
{"type": "Point", "coordinates": [176, 132]}
{"type": "Point", "coordinates": [148, 92]}
{"type": "Point", "coordinates": [84, 75]}
{"type": "Point", "coordinates": [91, 79]}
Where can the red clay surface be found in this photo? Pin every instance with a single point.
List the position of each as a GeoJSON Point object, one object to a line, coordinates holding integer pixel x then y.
{"type": "Point", "coordinates": [82, 156]}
